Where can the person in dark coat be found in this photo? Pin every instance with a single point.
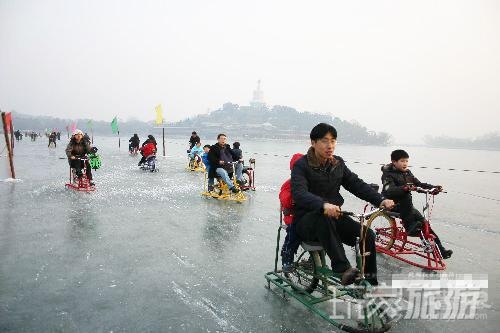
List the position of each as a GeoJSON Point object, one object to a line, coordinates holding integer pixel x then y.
{"type": "Point", "coordinates": [193, 140]}
{"type": "Point", "coordinates": [237, 151]}
{"type": "Point", "coordinates": [397, 183]}
{"type": "Point", "coordinates": [220, 157]}
{"type": "Point", "coordinates": [134, 142]}
{"type": "Point", "coordinates": [78, 147]}
{"type": "Point", "coordinates": [52, 138]}
{"type": "Point", "coordinates": [316, 180]}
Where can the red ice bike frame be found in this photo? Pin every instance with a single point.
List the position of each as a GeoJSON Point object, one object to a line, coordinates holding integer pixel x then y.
{"type": "Point", "coordinates": [80, 183]}
{"type": "Point", "coordinates": [393, 240]}
{"type": "Point", "coordinates": [248, 174]}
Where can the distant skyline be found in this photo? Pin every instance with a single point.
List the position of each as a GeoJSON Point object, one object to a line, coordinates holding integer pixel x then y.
{"type": "Point", "coordinates": [409, 68]}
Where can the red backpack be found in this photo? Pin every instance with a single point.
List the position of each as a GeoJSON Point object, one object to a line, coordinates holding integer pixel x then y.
{"type": "Point", "coordinates": [286, 194]}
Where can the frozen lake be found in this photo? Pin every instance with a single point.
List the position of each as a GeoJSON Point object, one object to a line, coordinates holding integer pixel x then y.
{"type": "Point", "coordinates": [146, 252]}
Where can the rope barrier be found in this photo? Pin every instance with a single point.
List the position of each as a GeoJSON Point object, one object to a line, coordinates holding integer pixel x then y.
{"type": "Point", "coordinates": [381, 164]}
{"type": "Point", "coordinates": [477, 196]}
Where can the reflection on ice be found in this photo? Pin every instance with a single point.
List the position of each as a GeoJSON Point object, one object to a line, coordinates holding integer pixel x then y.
{"type": "Point", "coordinates": [146, 251]}
{"type": "Point", "coordinates": [11, 180]}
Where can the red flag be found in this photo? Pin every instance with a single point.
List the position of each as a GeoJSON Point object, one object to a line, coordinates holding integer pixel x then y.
{"type": "Point", "coordinates": [73, 128]}
{"type": "Point", "coordinates": [8, 121]}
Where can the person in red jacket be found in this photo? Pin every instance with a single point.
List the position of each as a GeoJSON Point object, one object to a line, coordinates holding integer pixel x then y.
{"type": "Point", "coordinates": [292, 241]}
{"type": "Point", "coordinates": [147, 150]}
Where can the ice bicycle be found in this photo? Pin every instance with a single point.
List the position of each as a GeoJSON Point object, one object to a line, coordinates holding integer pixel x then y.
{"type": "Point", "coordinates": [195, 164]}
{"type": "Point", "coordinates": [150, 164]}
{"type": "Point", "coordinates": [81, 182]}
{"type": "Point", "coordinates": [314, 284]}
{"type": "Point", "coordinates": [221, 191]}
{"type": "Point", "coordinates": [392, 239]}
{"type": "Point", "coordinates": [133, 150]}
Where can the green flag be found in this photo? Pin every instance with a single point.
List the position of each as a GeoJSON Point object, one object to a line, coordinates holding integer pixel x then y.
{"type": "Point", "coordinates": [114, 125]}
{"type": "Point", "coordinates": [89, 123]}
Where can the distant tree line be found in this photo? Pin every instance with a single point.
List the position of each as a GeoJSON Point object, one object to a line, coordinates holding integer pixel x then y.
{"type": "Point", "coordinates": [232, 119]}
{"type": "Point", "coordinates": [489, 141]}
{"type": "Point", "coordinates": [40, 123]}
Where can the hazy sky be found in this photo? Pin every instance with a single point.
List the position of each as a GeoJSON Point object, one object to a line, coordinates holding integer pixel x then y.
{"type": "Point", "coordinates": [409, 68]}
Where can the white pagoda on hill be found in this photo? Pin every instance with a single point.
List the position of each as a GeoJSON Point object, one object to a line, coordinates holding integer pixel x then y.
{"type": "Point", "coordinates": [258, 97]}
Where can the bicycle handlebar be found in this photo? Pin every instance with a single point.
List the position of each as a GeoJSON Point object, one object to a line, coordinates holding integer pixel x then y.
{"type": "Point", "coordinates": [433, 191]}
{"type": "Point", "coordinates": [364, 216]}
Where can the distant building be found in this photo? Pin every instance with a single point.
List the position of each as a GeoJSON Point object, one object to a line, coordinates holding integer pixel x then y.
{"type": "Point", "coordinates": [258, 97]}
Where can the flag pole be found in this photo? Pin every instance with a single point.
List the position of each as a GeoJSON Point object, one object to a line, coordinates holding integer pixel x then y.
{"type": "Point", "coordinates": [12, 135]}
{"type": "Point", "coordinates": [118, 139]}
{"type": "Point", "coordinates": [89, 124]}
{"type": "Point", "coordinates": [163, 130]}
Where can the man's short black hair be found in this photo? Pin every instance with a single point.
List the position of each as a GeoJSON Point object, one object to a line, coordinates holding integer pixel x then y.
{"type": "Point", "coordinates": [221, 134]}
{"type": "Point", "coordinates": [206, 146]}
{"type": "Point", "coordinates": [320, 130]}
{"type": "Point", "coordinates": [399, 154]}
{"type": "Point", "coordinates": [193, 132]}
{"type": "Point", "coordinates": [236, 145]}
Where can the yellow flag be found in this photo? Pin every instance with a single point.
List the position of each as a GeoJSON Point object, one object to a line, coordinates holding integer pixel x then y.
{"type": "Point", "coordinates": [159, 115]}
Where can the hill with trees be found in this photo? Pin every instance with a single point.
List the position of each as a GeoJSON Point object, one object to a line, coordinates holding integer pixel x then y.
{"type": "Point", "coordinates": [278, 122]}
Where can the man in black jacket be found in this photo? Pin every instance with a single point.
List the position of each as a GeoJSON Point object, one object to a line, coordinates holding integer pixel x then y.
{"type": "Point", "coordinates": [221, 156]}
{"type": "Point", "coordinates": [193, 140]}
{"type": "Point", "coordinates": [316, 180]}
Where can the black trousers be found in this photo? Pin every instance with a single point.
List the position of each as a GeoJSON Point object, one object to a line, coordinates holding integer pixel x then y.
{"type": "Point", "coordinates": [331, 233]}
{"type": "Point", "coordinates": [409, 214]}
{"type": "Point", "coordinates": [78, 166]}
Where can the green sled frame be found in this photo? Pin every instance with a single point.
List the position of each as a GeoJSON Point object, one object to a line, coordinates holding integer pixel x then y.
{"type": "Point", "coordinates": [313, 283]}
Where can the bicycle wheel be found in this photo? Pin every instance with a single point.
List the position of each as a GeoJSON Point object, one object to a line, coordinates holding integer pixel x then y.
{"type": "Point", "coordinates": [384, 227]}
{"type": "Point", "coordinates": [304, 275]}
